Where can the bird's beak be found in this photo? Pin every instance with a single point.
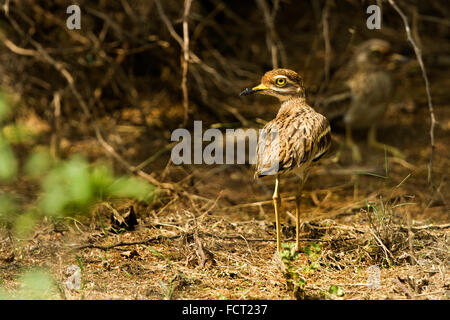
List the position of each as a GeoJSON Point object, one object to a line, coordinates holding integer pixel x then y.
{"type": "Point", "coordinates": [398, 58]}
{"type": "Point", "coordinates": [396, 61]}
{"type": "Point", "coordinates": [248, 91]}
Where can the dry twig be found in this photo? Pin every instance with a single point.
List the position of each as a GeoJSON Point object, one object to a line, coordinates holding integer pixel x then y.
{"type": "Point", "coordinates": [273, 41]}
{"type": "Point", "coordinates": [418, 53]}
{"type": "Point", "coordinates": [185, 60]}
{"type": "Point", "coordinates": [128, 243]}
{"type": "Point", "coordinates": [41, 54]}
{"type": "Point", "coordinates": [326, 38]}
{"type": "Point", "coordinates": [386, 250]}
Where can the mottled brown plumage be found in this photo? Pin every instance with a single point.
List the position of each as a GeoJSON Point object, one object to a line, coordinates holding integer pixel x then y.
{"type": "Point", "coordinates": [293, 140]}
{"type": "Point", "coordinates": [303, 137]}
{"type": "Point", "coordinates": [370, 84]}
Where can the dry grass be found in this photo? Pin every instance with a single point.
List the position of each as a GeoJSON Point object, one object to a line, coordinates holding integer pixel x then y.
{"type": "Point", "coordinates": [210, 233]}
{"type": "Point", "coordinates": [214, 258]}
{"type": "Point", "coordinates": [216, 240]}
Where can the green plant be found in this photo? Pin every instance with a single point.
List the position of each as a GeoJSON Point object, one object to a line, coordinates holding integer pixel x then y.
{"type": "Point", "coordinates": [167, 289]}
{"type": "Point", "coordinates": [160, 255]}
{"type": "Point", "coordinates": [335, 290]}
{"type": "Point", "coordinates": [104, 229]}
{"type": "Point", "coordinates": [80, 265]}
{"type": "Point", "coordinates": [294, 281]}
{"type": "Point", "coordinates": [66, 187]}
{"type": "Point", "coordinates": [313, 252]}
{"type": "Point", "coordinates": [380, 215]}
{"type": "Point", "coordinates": [34, 284]}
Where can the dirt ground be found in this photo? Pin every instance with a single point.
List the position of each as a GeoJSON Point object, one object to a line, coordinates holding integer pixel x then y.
{"type": "Point", "coordinates": [370, 231]}
{"type": "Point", "coordinates": [215, 240]}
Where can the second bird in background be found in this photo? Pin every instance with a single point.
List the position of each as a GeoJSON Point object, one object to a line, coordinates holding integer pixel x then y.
{"type": "Point", "coordinates": [371, 89]}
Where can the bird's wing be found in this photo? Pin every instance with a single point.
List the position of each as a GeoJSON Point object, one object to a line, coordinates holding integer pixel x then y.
{"type": "Point", "coordinates": [336, 100]}
{"type": "Point", "coordinates": [268, 150]}
{"type": "Point", "coordinates": [292, 141]}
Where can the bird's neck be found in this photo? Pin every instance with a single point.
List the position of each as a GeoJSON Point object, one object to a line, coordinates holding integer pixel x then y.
{"type": "Point", "coordinates": [293, 104]}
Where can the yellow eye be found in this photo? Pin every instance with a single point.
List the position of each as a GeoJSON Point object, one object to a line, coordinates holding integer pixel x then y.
{"type": "Point", "coordinates": [280, 82]}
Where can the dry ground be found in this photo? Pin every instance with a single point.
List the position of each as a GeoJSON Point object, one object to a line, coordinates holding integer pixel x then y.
{"type": "Point", "coordinates": [215, 240]}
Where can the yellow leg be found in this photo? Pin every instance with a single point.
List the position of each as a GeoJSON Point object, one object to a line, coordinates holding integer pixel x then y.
{"type": "Point", "coordinates": [277, 203]}
{"type": "Point", "coordinates": [372, 141]}
{"type": "Point", "coordinates": [356, 155]}
{"type": "Point", "coordinates": [298, 198]}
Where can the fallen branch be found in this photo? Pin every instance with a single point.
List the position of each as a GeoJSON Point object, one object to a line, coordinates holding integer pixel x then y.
{"type": "Point", "coordinates": [192, 234]}
{"type": "Point", "coordinates": [407, 292]}
{"type": "Point", "coordinates": [430, 226]}
{"type": "Point", "coordinates": [125, 243]}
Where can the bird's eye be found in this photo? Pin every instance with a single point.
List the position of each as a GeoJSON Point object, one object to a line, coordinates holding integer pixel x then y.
{"type": "Point", "coordinates": [376, 54]}
{"type": "Point", "coordinates": [280, 82]}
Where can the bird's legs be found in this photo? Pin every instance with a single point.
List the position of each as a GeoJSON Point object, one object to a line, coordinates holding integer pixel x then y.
{"type": "Point", "coordinates": [356, 155]}
{"type": "Point", "coordinates": [298, 198]}
{"type": "Point", "coordinates": [372, 141]}
{"type": "Point", "coordinates": [277, 203]}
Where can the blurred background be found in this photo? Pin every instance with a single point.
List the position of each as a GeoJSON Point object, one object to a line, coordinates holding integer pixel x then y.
{"type": "Point", "coordinates": [86, 115]}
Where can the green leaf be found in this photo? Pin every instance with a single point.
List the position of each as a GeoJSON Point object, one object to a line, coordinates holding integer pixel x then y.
{"type": "Point", "coordinates": [336, 291]}
{"type": "Point", "coordinates": [4, 107]}
{"type": "Point", "coordinates": [76, 177]}
{"type": "Point", "coordinates": [24, 224]}
{"type": "Point", "coordinates": [7, 207]}
{"type": "Point", "coordinates": [333, 289]}
{"type": "Point", "coordinates": [131, 187]}
{"type": "Point", "coordinates": [67, 186]}
{"type": "Point", "coordinates": [307, 251]}
{"type": "Point", "coordinates": [80, 262]}
{"type": "Point", "coordinates": [54, 201]}
{"type": "Point", "coordinates": [8, 162]}
{"type": "Point", "coordinates": [222, 297]}
{"type": "Point", "coordinates": [301, 282]}
{"type": "Point", "coordinates": [101, 177]}
{"type": "Point", "coordinates": [315, 247]}
{"type": "Point", "coordinates": [155, 252]}
{"type": "Point", "coordinates": [314, 265]}
{"type": "Point", "coordinates": [15, 134]}
{"type": "Point", "coordinates": [36, 285]}
{"type": "Point", "coordinates": [38, 164]}
{"type": "Point", "coordinates": [370, 174]}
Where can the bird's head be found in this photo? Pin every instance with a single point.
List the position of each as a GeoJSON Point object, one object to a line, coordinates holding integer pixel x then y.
{"type": "Point", "coordinates": [281, 83]}
{"type": "Point", "coordinates": [376, 54]}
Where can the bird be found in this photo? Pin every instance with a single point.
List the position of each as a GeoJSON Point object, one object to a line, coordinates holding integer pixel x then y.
{"type": "Point", "coordinates": [293, 141]}
{"type": "Point", "coordinates": [370, 87]}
